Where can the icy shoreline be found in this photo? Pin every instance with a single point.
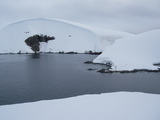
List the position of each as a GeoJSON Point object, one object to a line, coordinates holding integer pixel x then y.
{"type": "Point", "coordinates": [108, 69]}
{"type": "Point", "coordinates": [135, 52]}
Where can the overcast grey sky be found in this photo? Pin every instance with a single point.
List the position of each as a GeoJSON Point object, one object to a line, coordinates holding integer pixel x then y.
{"type": "Point", "coordinates": [126, 15]}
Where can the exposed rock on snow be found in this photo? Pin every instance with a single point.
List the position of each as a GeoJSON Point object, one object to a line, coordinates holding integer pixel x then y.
{"type": "Point", "coordinates": [68, 37]}
{"type": "Point", "coordinates": [135, 52]}
{"type": "Point", "coordinates": [34, 41]}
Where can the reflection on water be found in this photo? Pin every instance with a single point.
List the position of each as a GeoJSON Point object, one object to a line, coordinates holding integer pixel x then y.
{"type": "Point", "coordinates": [34, 56]}
{"type": "Point", "coordinates": [30, 77]}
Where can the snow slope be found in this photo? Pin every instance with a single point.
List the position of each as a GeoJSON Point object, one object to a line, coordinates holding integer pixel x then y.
{"type": "Point", "coordinates": [135, 52]}
{"type": "Point", "coordinates": [105, 36]}
{"type": "Point", "coordinates": [109, 37]}
{"type": "Point", "coordinates": [108, 106]}
{"type": "Point", "coordinates": [68, 37]}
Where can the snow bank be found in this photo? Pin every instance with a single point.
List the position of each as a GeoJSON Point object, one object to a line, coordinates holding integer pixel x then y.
{"type": "Point", "coordinates": [135, 52]}
{"type": "Point", "coordinates": [68, 37]}
{"type": "Point", "coordinates": [109, 106]}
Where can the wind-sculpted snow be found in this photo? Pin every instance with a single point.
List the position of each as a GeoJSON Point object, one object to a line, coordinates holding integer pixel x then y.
{"type": "Point", "coordinates": [68, 37]}
{"type": "Point", "coordinates": [135, 52]}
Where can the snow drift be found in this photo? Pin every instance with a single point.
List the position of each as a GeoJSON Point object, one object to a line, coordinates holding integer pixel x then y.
{"type": "Point", "coordinates": [108, 106]}
{"type": "Point", "coordinates": [68, 37]}
{"type": "Point", "coordinates": [139, 51]}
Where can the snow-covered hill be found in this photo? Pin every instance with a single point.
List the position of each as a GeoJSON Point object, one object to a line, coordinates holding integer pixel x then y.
{"type": "Point", "coordinates": [68, 37]}
{"type": "Point", "coordinates": [105, 36]}
{"type": "Point", "coordinates": [135, 52]}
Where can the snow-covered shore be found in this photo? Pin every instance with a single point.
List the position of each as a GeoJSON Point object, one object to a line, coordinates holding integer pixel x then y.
{"type": "Point", "coordinates": [124, 50]}
{"type": "Point", "coordinates": [134, 52]}
{"type": "Point", "coordinates": [108, 106]}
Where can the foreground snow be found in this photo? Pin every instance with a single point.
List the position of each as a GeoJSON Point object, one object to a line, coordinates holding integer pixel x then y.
{"type": "Point", "coordinates": [135, 52]}
{"type": "Point", "coordinates": [68, 37]}
{"type": "Point", "coordinates": [109, 106]}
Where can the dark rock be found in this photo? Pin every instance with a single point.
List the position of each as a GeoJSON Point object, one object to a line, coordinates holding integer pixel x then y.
{"type": "Point", "coordinates": [88, 62]}
{"type": "Point", "coordinates": [34, 41]}
{"type": "Point", "coordinates": [26, 32]}
{"type": "Point", "coordinates": [71, 52]}
{"type": "Point", "coordinates": [103, 70]}
{"type": "Point", "coordinates": [127, 71]}
{"type": "Point", "coordinates": [19, 52]}
{"type": "Point", "coordinates": [109, 64]}
{"type": "Point", "coordinates": [61, 52]}
{"type": "Point", "coordinates": [92, 53]}
{"type": "Point", "coordinates": [157, 64]}
{"type": "Point", "coordinates": [91, 69]}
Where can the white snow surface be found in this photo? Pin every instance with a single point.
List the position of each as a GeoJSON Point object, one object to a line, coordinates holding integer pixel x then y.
{"type": "Point", "coordinates": [68, 37]}
{"type": "Point", "coordinates": [105, 36]}
{"type": "Point", "coordinates": [108, 106]}
{"type": "Point", "coordinates": [134, 52]}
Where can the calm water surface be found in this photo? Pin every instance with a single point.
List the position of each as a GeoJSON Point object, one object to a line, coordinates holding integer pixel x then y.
{"type": "Point", "coordinates": [28, 78]}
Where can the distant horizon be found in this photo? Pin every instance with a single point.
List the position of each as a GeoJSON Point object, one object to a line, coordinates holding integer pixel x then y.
{"type": "Point", "coordinates": [131, 16]}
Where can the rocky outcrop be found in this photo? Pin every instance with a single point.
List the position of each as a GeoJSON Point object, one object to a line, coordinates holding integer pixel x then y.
{"type": "Point", "coordinates": [127, 71]}
{"type": "Point", "coordinates": [34, 41]}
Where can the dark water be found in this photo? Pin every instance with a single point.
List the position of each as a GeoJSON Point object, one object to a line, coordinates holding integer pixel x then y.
{"type": "Point", "coordinates": [28, 78]}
